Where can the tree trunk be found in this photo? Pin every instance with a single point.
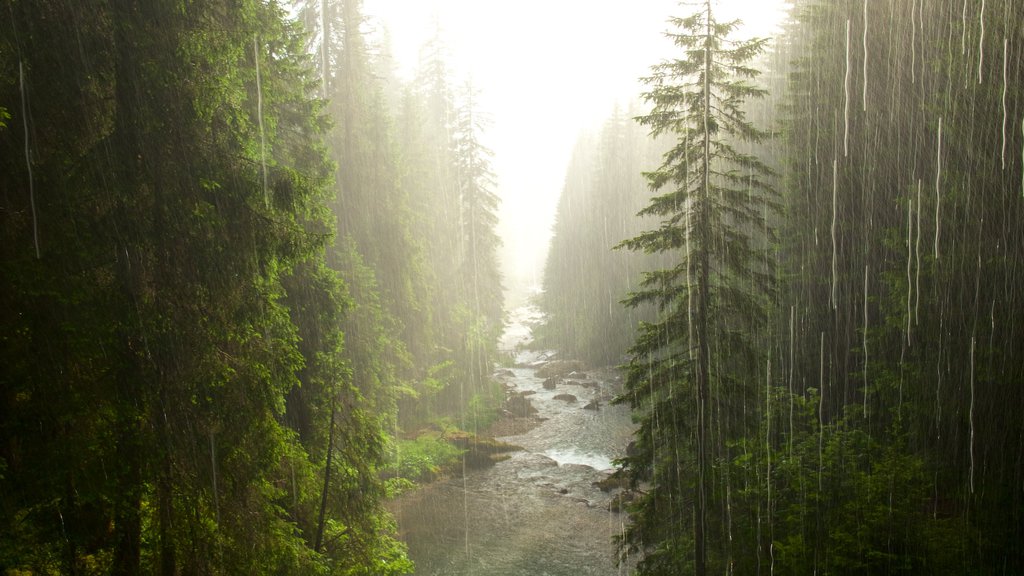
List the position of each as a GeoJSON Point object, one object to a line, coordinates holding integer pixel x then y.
{"type": "Point", "coordinates": [703, 229]}
{"type": "Point", "coordinates": [327, 482]}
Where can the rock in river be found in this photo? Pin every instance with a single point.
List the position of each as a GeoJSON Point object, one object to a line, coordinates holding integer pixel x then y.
{"type": "Point", "coordinates": [559, 368]}
{"type": "Point", "coordinates": [565, 397]}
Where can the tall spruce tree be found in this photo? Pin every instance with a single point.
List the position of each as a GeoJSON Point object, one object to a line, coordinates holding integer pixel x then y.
{"type": "Point", "coordinates": [692, 373]}
{"type": "Point", "coordinates": [479, 276]}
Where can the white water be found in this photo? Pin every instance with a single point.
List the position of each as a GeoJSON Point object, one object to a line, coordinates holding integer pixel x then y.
{"type": "Point", "coordinates": [538, 512]}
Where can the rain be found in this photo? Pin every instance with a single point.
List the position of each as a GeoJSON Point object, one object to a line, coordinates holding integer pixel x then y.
{"type": "Point", "coordinates": [447, 287]}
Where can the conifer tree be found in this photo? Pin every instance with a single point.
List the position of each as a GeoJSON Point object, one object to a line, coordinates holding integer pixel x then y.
{"type": "Point", "coordinates": [693, 370]}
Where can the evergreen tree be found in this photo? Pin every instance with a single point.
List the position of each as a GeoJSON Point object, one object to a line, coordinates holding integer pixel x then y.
{"type": "Point", "coordinates": [694, 370]}
{"type": "Point", "coordinates": [899, 245]}
{"type": "Point", "coordinates": [479, 277]}
{"type": "Point", "coordinates": [153, 338]}
{"type": "Point", "coordinates": [584, 279]}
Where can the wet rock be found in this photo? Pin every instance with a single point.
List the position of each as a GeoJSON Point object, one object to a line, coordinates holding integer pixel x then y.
{"type": "Point", "coordinates": [614, 481]}
{"type": "Point", "coordinates": [631, 449]}
{"type": "Point", "coordinates": [559, 368]}
{"type": "Point", "coordinates": [504, 373]}
{"type": "Point", "coordinates": [527, 392]}
{"type": "Point", "coordinates": [565, 397]}
{"type": "Point", "coordinates": [519, 406]}
{"type": "Point", "coordinates": [481, 452]}
{"type": "Point", "coordinates": [574, 375]}
{"type": "Point", "coordinates": [621, 500]}
{"type": "Point", "coordinates": [594, 404]}
{"type": "Point", "coordinates": [533, 460]}
{"type": "Point", "coordinates": [550, 383]}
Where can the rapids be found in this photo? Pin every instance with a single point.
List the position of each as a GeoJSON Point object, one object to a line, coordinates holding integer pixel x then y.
{"type": "Point", "coordinates": [539, 512]}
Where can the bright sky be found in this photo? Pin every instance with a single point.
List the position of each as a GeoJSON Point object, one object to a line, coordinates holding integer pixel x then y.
{"type": "Point", "coordinates": [546, 70]}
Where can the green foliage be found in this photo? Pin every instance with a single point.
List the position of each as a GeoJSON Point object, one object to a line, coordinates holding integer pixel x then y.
{"type": "Point", "coordinates": [423, 458]}
{"type": "Point", "coordinates": [828, 496]}
{"type": "Point", "coordinates": [896, 281]}
{"type": "Point", "coordinates": [427, 303]}
{"type": "Point", "coordinates": [173, 355]}
{"type": "Point", "coordinates": [691, 371]}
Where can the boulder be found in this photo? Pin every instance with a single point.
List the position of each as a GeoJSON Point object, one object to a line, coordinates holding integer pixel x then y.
{"type": "Point", "coordinates": [620, 500]}
{"type": "Point", "coordinates": [594, 404]}
{"type": "Point", "coordinates": [565, 397]}
{"type": "Point", "coordinates": [575, 375]}
{"type": "Point", "coordinates": [614, 481]}
{"type": "Point", "coordinates": [519, 405]}
{"type": "Point", "coordinates": [481, 452]}
{"type": "Point", "coordinates": [550, 383]}
{"type": "Point", "coordinates": [559, 368]}
{"type": "Point", "coordinates": [504, 373]}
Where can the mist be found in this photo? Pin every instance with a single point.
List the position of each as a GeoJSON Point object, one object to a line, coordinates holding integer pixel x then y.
{"type": "Point", "coordinates": [454, 287]}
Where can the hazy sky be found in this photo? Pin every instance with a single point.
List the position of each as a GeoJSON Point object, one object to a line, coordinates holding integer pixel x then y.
{"type": "Point", "coordinates": [546, 70]}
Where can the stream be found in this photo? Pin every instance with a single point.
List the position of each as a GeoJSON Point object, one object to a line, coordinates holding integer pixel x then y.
{"type": "Point", "coordinates": [538, 512]}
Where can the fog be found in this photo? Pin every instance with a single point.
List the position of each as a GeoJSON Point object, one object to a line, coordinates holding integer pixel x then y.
{"type": "Point", "coordinates": [547, 72]}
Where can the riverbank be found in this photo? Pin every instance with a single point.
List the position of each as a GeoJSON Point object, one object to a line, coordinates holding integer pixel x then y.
{"type": "Point", "coordinates": [545, 509]}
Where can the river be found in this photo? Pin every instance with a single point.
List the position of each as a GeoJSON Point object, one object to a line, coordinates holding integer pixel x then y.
{"type": "Point", "coordinates": [537, 513]}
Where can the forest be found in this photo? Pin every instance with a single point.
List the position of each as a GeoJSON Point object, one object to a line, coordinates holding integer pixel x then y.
{"type": "Point", "coordinates": [251, 289]}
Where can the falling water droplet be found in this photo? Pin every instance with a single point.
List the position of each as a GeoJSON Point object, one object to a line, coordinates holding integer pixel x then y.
{"type": "Point", "coordinates": [1006, 46]}
{"type": "Point", "coordinates": [910, 260]}
{"type": "Point", "coordinates": [28, 158]}
{"type": "Point", "coordinates": [864, 336]}
{"type": "Point", "coordinates": [864, 85]}
{"type": "Point", "coordinates": [981, 38]}
{"type": "Point", "coordinates": [835, 187]}
{"type": "Point", "coordinates": [963, 36]}
{"type": "Point", "coordinates": [972, 414]}
{"type": "Point", "coordinates": [913, 42]}
{"type": "Point", "coordinates": [938, 179]}
{"type": "Point", "coordinates": [846, 92]}
{"type": "Point", "coordinates": [821, 408]}
{"type": "Point", "coordinates": [259, 114]}
{"type": "Point", "coordinates": [792, 314]}
{"type": "Point", "coordinates": [917, 257]}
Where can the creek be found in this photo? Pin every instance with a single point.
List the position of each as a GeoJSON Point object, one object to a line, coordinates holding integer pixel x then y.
{"type": "Point", "coordinates": [539, 512]}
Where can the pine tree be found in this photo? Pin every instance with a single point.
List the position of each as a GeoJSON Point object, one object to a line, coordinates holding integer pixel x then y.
{"type": "Point", "coordinates": [479, 277]}
{"type": "Point", "coordinates": [693, 370]}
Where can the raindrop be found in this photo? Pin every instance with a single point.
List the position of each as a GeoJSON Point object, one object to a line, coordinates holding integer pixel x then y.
{"type": "Point", "coordinates": [864, 86]}
{"type": "Point", "coordinates": [938, 178]}
{"type": "Point", "coordinates": [910, 260]}
{"type": "Point", "coordinates": [846, 91]}
{"type": "Point", "coordinates": [913, 43]}
{"type": "Point", "coordinates": [821, 407]}
{"type": "Point", "coordinates": [28, 158]}
{"type": "Point", "coordinates": [835, 186]}
{"type": "Point", "coordinates": [792, 317]}
{"type": "Point", "coordinates": [864, 336]}
{"type": "Point", "coordinates": [972, 414]}
{"type": "Point", "coordinates": [963, 37]}
{"type": "Point", "coordinates": [917, 255]}
{"type": "Point", "coordinates": [1002, 156]}
{"type": "Point", "coordinates": [981, 38]}
{"type": "Point", "coordinates": [259, 114]}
